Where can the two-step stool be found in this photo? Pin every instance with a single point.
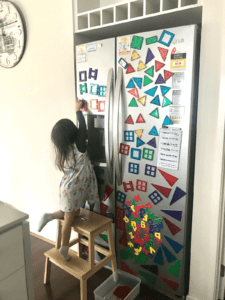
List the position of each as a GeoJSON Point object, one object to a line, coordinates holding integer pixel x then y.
{"type": "Point", "coordinates": [89, 224]}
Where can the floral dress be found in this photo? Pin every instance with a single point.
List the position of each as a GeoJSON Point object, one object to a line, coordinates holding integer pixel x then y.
{"type": "Point", "coordinates": [79, 183]}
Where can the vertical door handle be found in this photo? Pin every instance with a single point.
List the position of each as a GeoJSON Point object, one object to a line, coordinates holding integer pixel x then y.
{"type": "Point", "coordinates": [116, 126]}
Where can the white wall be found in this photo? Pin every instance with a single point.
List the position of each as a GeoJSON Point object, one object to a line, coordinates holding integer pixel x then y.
{"type": "Point", "coordinates": [34, 95]}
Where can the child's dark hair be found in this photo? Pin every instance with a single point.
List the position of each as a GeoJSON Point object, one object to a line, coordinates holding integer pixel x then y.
{"type": "Point", "coordinates": [64, 135]}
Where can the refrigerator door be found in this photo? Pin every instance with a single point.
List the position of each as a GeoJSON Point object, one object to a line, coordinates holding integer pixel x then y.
{"type": "Point", "coordinates": [156, 145]}
{"type": "Point", "coordinates": [95, 85]}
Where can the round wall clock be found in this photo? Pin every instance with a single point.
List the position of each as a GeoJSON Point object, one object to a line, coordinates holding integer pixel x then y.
{"type": "Point", "coordinates": [12, 35]}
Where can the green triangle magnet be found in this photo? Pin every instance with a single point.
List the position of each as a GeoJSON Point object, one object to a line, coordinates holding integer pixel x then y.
{"type": "Point", "coordinates": [141, 258]}
{"type": "Point", "coordinates": [150, 71]}
{"type": "Point", "coordinates": [166, 102]}
{"type": "Point", "coordinates": [175, 268]}
{"type": "Point", "coordinates": [156, 101]}
{"type": "Point", "coordinates": [148, 277]}
{"type": "Point", "coordinates": [130, 84]}
{"type": "Point", "coordinates": [155, 113]}
{"type": "Point", "coordinates": [164, 89]}
{"type": "Point", "coordinates": [133, 103]}
{"type": "Point", "coordinates": [104, 237]}
{"type": "Point", "coordinates": [153, 131]}
{"type": "Point", "coordinates": [147, 80]}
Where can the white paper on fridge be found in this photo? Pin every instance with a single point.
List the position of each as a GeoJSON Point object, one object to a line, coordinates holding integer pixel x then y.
{"type": "Point", "coordinates": [169, 148]}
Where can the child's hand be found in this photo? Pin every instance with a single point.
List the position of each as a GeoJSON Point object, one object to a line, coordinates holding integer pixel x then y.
{"type": "Point", "coordinates": [77, 105]}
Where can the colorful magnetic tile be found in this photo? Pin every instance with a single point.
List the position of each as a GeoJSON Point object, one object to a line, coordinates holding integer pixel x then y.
{"type": "Point", "coordinates": [175, 268]}
{"type": "Point", "coordinates": [104, 237]}
{"type": "Point", "coordinates": [150, 278]}
{"type": "Point", "coordinates": [178, 194]}
{"type": "Point", "coordinates": [175, 245]}
{"type": "Point", "coordinates": [151, 40]}
{"type": "Point", "coordinates": [141, 258]}
{"type": "Point", "coordinates": [152, 142]}
{"type": "Point", "coordinates": [135, 153]}
{"type": "Point", "coordinates": [141, 185]}
{"type": "Point", "coordinates": [172, 284]}
{"type": "Point", "coordinates": [128, 186]}
{"type": "Point", "coordinates": [150, 170]}
{"type": "Point", "coordinates": [150, 71]}
{"type": "Point", "coordinates": [134, 92]}
{"type": "Point", "coordinates": [85, 106]}
{"type": "Point", "coordinates": [94, 104]}
{"type": "Point", "coordinates": [101, 106]}
{"type": "Point", "coordinates": [124, 149]}
{"type": "Point", "coordinates": [129, 120]}
{"type": "Point", "coordinates": [167, 75]}
{"type": "Point", "coordinates": [139, 132]}
{"type": "Point", "coordinates": [93, 73]}
{"type": "Point", "coordinates": [108, 191]}
{"type": "Point", "coordinates": [159, 257]}
{"type": "Point", "coordinates": [123, 239]}
{"type": "Point", "coordinates": [133, 103]}
{"type": "Point", "coordinates": [121, 197]}
{"type": "Point", "coordinates": [167, 121]}
{"type": "Point", "coordinates": [158, 65]}
{"type": "Point", "coordinates": [128, 136]}
{"type": "Point", "coordinates": [130, 84]}
{"type": "Point", "coordinates": [164, 89]}
{"type": "Point", "coordinates": [102, 90]}
{"type": "Point", "coordinates": [120, 224]}
{"type": "Point", "coordinates": [134, 55]}
{"type": "Point", "coordinates": [150, 56]}
{"type": "Point", "coordinates": [151, 268]}
{"type": "Point", "coordinates": [172, 227]}
{"type": "Point", "coordinates": [139, 142]}
{"type": "Point", "coordinates": [142, 100]}
{"type": "Point", "coordinates": [163, 52]}
{"type": "Point", "coordinates": [168, 177]}
{"type": "Point", "coordinates": [130, 69]}
{"type": "Point", "coordinates": [127, 269]}
{"type": "Point", "coordinates": [151, 92]}
{"type": "Point", "coordinates": [169, 256]}
{"type": "Point", "coordinates": [148, 154]}
{"type": "Point", "coordinates": [133, 168]}
{"type": "Point", "coordinates": [83, 88]}
{"type": "Point", "coordinates": [176, 214]}
{"type": "Point", "coordinates": [137, 42]}
{"type": "Point", "coordinates": [153, 131]}
{"type": "Point", "coordinates": [155, 113]}
{"type": "Point", "coordinates": [155, 197]}
{"type": "Point", "coordinates": [103, 208]}
{"type": "Point", "coordinates": [160, 80]}
{"type": "Point", "coordinates": [119, 212]}
{"type": "Point", "coordinates": [94, 89]}
{"type": "Point", "coordinates": [163, 190]}
{"type": "Point", "coordinates": [147, 80]}
{"type": "Point", "coordinates": [138, 81]}
{"type": "Point", "coordinates": [83, 76]}
{"type": "Point", "coordinates": [123, 63]}
{"type": "Point", "coordinates": [166, 102]}
{"type": "Point", "coordinates": [166, 38]}
{"type": "Point", "coordinates": [141, 66]}
{"type": "Point", "coordinates": [140, 119]}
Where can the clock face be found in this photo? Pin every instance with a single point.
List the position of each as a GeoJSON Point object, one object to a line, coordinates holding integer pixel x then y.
{"type": "Point", "coordinates": [11, 35]}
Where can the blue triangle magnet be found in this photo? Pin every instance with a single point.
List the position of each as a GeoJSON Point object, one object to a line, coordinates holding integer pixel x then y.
{"type": "Point", "coordinates": [156, 101]}
{"type": "Point", "coordinates": [149, 56]}
{"type": "Point", "coordinates": [175, 245]}
{"type": "Point", "coordinates": [159, 258]}
{"type": "Point", "coordinates": [164, 89]}
{"type": "Point", "coordinates": [179, 193]}
{"type": "Point", "coordinates": [153, 131]}
{"type": "Point", "coordinates": [167, 121]}
{"type": "Point", "coordinates": [139, 142]}
{"type": "Point", "coordinates": [169, 256]}
{"type": "Point", "coordinates": [160, 80]}
{"type": "Point", "coordinates": [176, 214]}
{"type": "Point", "coordinates": [130, 84]}
{"type": "Point", "coordinates": [138, 81]}
{"type": "Point", "coordinates": [152, 91]}
{"type": "Point", "coordinates": [152, 143]}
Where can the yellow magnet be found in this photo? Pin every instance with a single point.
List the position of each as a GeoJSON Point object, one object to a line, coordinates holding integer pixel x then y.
{"type": "Point", "coordinates": [145, 218]}
{"type": "Point", "coordinates": [141, 66]}
{"type": "Point", "coordinates": [131, 244]}
{"type": "Point", "coordinates": [131, 235]}
{"type": "Point", "coordinates": [135, 55]}
{"type": "Point", "coordinates": [142, 224]}
{"type": "Point", "coordinates": [158, 235]}
{"type": "Point", "coordinates": [142, 100]}
{"type": "Point", "coordinates": [132, 207]}
{"type": "Point", "coordinates": [151, 250]}
{"type": "Point", "coordinates": [126, 219]}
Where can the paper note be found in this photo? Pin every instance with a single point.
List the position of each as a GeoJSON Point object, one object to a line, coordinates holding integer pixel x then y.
{"type": "Point", "coordinates": [169, 148]}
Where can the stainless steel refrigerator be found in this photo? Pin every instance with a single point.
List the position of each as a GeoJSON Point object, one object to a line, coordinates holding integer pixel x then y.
{"type": "Point", "coordinates": [141, 103]}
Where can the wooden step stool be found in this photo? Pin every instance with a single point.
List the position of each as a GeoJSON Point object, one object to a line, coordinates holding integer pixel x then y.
{"type": "Point", "coordinates": [89, 224]}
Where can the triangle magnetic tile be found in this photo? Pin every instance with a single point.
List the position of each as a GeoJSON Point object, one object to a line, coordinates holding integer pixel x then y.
{"type": "Point", "coordinates": [163, 190]}
{"type": "Point", "coordinates": [160, 80]}
{"type": "Point", "coordinates": [167, 121]}
{"type": "Point", "coordinates": [151, 268]}
{"type": "Point", "coordinates": [139, 142]}
{"type": "Point", "coordinates": [155, 113]}
{"type": "Point", "coordinates": [149, 56]}
{"type": "Point", "coordinates": [138, 81]}
{"type": "Point", "coordinates": [172, 284]}
{"type": "Point", "coordinates": [141, 258]}
{"type": "Point", "coordinates": [163, 52]}
{"type": "Point", "coordinates": [153, 131]}
{"type": "Point", "coordinates": [124, 267]}
{"type": "Point", "coordinates": [141, 66]}
{"type": "Point", "coordinates": [175, 245]}
{"type": "Point", "coordinates": [134, 92]}
{"type": "Point", "coordinates": [150, 71]}
{"type": "Point", "coordinates": [169, 178]}
{"type": "Point", "coordinates": [178, 194]}
{"type": "Point", "coordinates": [147, 80]}
{"type": "Point", "coordinates": [104, 237]}
{"type": "Point", "coordinates": [159, 257]}
{"type": "Point", "coordinates": [166, 102]}
{"type": "Point", "coordinates": [140, 119]}
{"type": "Point", "coordinates": [150, 278]}
{"type": "Point", "coordinates": [158, 65]}
{"type": "Point", "coordinates": [167, 75]}
{"type": "Point", "coordinates": [139, 132]}
{"type": "Point", "coordinates": [151, 92]}
{"type": "Point", "coordinates": [133, 103]}
{"type": "Point", "coordinates": [134, 55]}
{"type": "Point", "coordinates": [164, 90]}
{"type": "Point", "coordinates": [169, 256]}
{"type": "Point", "coordinates": [130, 84]}
{"type": "Point", "coordinates": [123, 239]}
{"type": "Point", "coordinates": [172, 227]}
{"type": "Point", "coordinates": [142, 100]}
{"type": "Point", "coordinates": [156, 101]}
{"type": "Point", "coordinates": [130, 69]}
{"type": "Point", "coordinates": [129, 120]}
{"type": "Point", "coordinates": [176, 214]}
{"type": "Point", "coordinates": [108, 191]}
{"type": "Point", "coordinates": [175, 268]}
{"type": "Point", "coordinates": [101, 255]}
{"type": "Point", "coordinates": [152, 143]}
{"type": "Point", "coordinates": [103, 208]}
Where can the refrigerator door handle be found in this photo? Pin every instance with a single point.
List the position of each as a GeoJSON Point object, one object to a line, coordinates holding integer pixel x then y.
{"type": "Point", "coordinates": [117, 161]}
{"type": "Point", "coordinates": [108, 126]}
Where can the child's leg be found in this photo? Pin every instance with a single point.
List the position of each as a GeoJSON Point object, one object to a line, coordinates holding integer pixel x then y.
{"type": "Point", "coordinates": [49, 217]}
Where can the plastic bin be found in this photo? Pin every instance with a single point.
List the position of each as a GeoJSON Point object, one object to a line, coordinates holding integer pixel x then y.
{"type": "Point", "coordinates": [118, 278]}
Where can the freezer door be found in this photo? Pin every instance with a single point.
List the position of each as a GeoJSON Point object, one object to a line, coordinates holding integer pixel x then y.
{"type": "Point", "coordinates": [156, 128]}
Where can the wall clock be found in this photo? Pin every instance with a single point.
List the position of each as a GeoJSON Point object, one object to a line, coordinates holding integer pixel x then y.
{"type": "Point", "coordinates": [12, 35]}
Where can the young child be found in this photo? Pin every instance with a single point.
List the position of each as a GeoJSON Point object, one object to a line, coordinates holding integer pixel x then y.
{"type": "Point", "coordinates": [79, 181]}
